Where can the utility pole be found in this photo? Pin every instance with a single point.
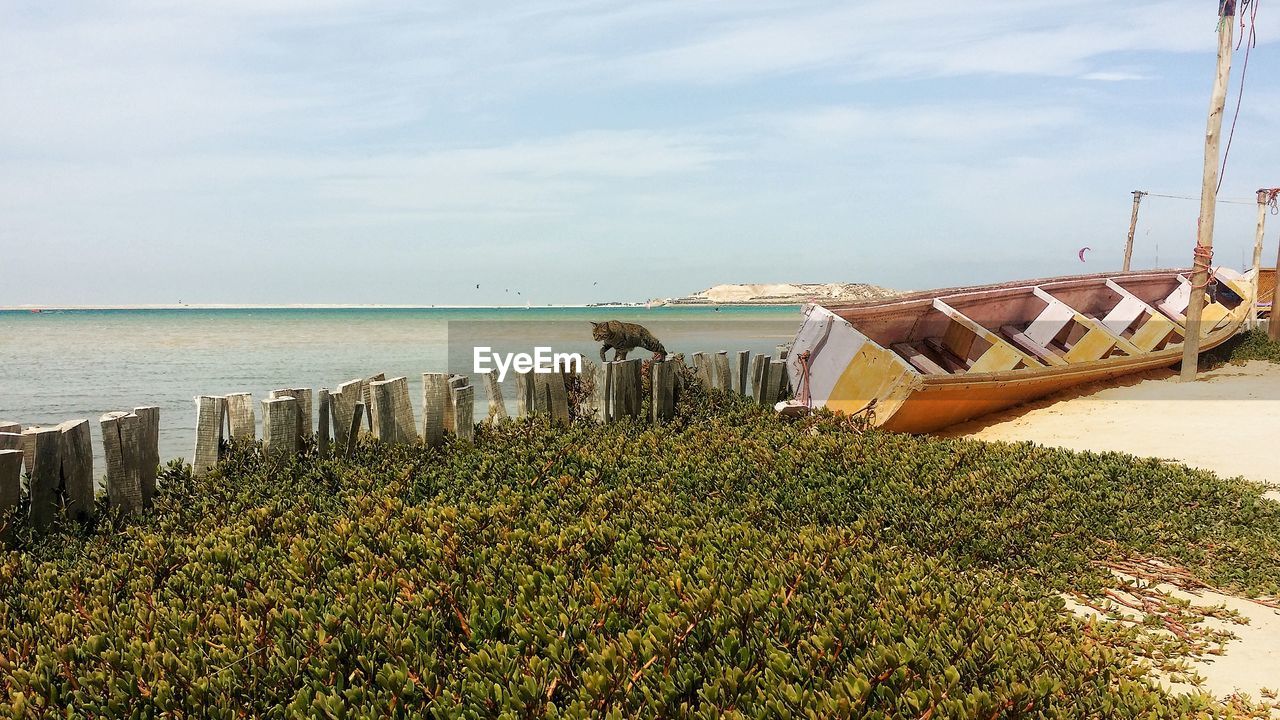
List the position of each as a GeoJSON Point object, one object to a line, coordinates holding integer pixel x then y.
{"type": "Point", "coordinates": [1133, 226]}
{"type": "Point", "coordinates": [1263, 197]}
{"type": "Point", "coordinates": [1203, 257]}
{"type": "Point", "coordinates": [1273, 324]}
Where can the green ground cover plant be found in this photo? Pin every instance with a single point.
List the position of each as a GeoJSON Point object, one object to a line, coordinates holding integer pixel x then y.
{"type": "Point", "coordinates": [726, 563]}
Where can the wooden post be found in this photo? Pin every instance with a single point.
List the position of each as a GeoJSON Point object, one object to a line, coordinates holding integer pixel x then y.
{"type": "Point", "coordinates": [1133, 227]}
{"type": "Point", "coordinates": [10, 481]}
{"type": "Point", "coordinates": [44, 473]}
{"type": "Point", "coordinates": [303, 395]}
{"type": "Point", "coordinates": [148, 460]}
{"type": "Point", "coordinates": [524, 394]}
{"type": "Point", "coordinates": [280, 429]}
{"type": "Point", "coordinates": [450, 408]}
{"type": "Point", "coordinates": [493, 390]}
{"type": "Point", "coordinates": [240, 413]}
{"type": "Point", "coordinates": [632, 386]}
{"type": "Point", "coordinates": [1263, 196]}
{"type": "Point", "coordinates": [702, 368]}
{"type": "Point", "coordinates": [603, 394]}
{"type": "Point", "coordinates": [10, 440]}
{"type": "Point", "coordinates": [464, 403]}
{"type": "Point", "coordinates": [759, 370]}
{"type": "Point", "coordinates": [724, 381]}
{"type": "Point", "coordinates": [323, 435]}
{"type": "Point", "coordinates": [384, 411]}
{"type": "Point", "coordinates": [8, 426]}
{"type": "Point", "coordinates": [77, 469]}
{"type": "Point", "coordinates": [779, 352]}
{"type": "Point", "coordinates": [1208, 193]}
{"type": "Point", "coordinates": [781, 384]}
{"type": "Point", "coordinates": [353, 432]}
{"type": "Point", "coordinates": [557, 397]}
{"type": "Point", "coordinates": [662, 397]}
{"type": "Point", "coordinates": [121, 445]}
{"type": "Point", "coordinates": [742, 372]}
{"type": "Point", "coordinates": [436, 401]}
{"type": "Point", "coordinates": [368, 398]}
{"type": "Point", "coordinates": [1273, 321]}
{"type": "Point", "coordinates": [210, 413]}
{"type": "Point", "coordinates": [342, 408]}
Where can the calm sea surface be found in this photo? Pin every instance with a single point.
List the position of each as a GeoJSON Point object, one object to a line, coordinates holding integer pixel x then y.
{"type": "Point", "coordinates": [63, 365]}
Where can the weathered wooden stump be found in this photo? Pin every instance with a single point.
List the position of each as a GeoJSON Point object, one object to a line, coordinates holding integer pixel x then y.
{"type": "Point", "coordinates": [43, 445]}
{"type": "Point", "coordinates": [240, 416]}
{"type": "Point", "coordinates": [702, 369]}
{"type": "Point", "coordinates": [342, 409]}
{"type": "Point", "coordinates": [122, 446]}
{"type": "Point", "coordinates": [8, 426]}
{"type": "Point", "coordinates": [10, 481]}
{"type": "Point", "coordinates": [325, 419]}
{"type": "Point", "coordinates": [626, 388]}
{"type": "Point", "coordinates": [303, 395]}
{"type": "Point", "coordinates": [780, 352]}
{"type": "Point", "coordinates": [493, 390]}
{"type": "Point", "coordinates": [436, 403]}
{"type": "Point", "coordinates": [759, 369]}
{"type": "Point", "coordinates": [742, 373]}
{"type": "Point", "coordinates": [602, 394]}
{"type": "Point", "coordinates": [525, 387]}
{"type": "Point", "coordinates": [280, 429]}
{"type": "Point", "coordinates": [661, 380]}
{"type": "Point", "coordinates": [149, 451]}
{"type": "Point", "coordinates": [406, 425]}
{"type": "Point", "coordinates": [211, 412]}
{"type": "Point", "coordinates": [778, 376]}
{"type": "Point", "coordinates": [450, 415]}
{"type": "Point", "coordinates": [382, 393]}
{"type": "Point", "coordinates": [11, 440]}
{"type": "Point", "coordinates": [368, 398]}
{"type": "Point", "coordinates": [464, 403]}
{"type": "Point", "coordinates": [557, 397]}
{"type": "Point", "coordinates": [724, 381]}
{"type": "Point", "coordinates": [77, 469]}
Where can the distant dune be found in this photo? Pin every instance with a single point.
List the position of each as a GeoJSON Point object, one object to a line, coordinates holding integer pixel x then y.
{"type": "Point", "coordinates": [784, 294]}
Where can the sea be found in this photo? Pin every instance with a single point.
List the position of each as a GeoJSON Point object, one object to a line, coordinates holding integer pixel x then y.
{"type": "Point", "coordinates": [58, 365]}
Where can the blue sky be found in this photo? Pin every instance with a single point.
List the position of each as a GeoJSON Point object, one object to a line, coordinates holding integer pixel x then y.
{"type": "Point", "coordinates": [277, 151]}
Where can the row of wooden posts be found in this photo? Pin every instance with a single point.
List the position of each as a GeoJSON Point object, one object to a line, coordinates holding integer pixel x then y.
{"type": "Point", "coordinates": [58, 460]}
{"type": "Point", "coordinates": [382, 405]}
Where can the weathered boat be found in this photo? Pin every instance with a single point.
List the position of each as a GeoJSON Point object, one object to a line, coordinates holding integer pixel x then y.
{"type": "Point", "coordinates": [920, 362]}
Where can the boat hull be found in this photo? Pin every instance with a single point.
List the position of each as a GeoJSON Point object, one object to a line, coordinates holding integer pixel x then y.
{"type": "Point", "coordinates": [846, 369]}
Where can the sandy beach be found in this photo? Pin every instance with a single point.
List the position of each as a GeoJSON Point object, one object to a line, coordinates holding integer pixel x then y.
{"type": "Point", "coordinates": [1236, 423]}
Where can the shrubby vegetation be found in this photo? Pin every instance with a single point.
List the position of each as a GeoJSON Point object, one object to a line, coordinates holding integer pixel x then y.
{"type": "Point", "coordinates": [726, 563]}
{"type": "Point", "coordinates": [1252, 345]}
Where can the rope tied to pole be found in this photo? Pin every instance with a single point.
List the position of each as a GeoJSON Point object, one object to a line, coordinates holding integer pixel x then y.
{"type": "Point", "coordinates": [1203, 260]}
{"type": "Point", "coordinates": [1272, 200]}
{"type": "Point", "coordinates": [804, 377]}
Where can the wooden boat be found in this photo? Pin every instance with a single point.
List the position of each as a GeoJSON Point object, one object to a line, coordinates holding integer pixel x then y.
{"type": "Point", "coordinates": [921, 362]}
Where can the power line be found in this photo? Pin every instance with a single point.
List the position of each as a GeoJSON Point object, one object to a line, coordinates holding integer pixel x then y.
{"type": "Point", "coordinates": [1188, 197]}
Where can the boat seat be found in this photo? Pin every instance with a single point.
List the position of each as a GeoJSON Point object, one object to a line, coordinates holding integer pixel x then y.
{"type": "Point", "coordinates": [949, 359]}
{"type": "Point", "coordinates": [963, 331]}
{"type": "Point", "coordinates": [1175, 306]}
{"type": "Point", "coordinates": [1153, 332]}
{"type": "Point", "coordinates": [1124, 314]}
{"type": "Point", "coordinates": [1049, 323]}
{"type": "Point", "coordinates": [918, 360]}
{"type": "Point", "coordinates": [1019, 338]}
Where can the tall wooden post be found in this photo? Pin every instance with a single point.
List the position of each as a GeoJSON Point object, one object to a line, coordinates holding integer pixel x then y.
{"type": "Point", "coordinates": [1263, 197]}
{"type": "Point", "coordinates": [1203, 257]}
{"type": "Point", "coordinates": [1273, 324]}
{"type": "Point", "coordinates": [1133, 227]}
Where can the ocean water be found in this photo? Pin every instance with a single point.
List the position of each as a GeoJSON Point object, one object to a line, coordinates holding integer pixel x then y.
{"type": "Point", "coordinates": [69, 364]}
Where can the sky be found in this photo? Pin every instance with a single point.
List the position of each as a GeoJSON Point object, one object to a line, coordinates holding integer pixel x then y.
{"type": "Point", "coordinates": [572, 151]}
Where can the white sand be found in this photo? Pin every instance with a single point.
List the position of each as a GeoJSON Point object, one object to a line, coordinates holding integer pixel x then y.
{"type": "Point", "coordinates": [1228, 421]}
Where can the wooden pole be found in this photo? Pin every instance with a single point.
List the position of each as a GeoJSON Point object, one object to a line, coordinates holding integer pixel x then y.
{"type": "Point", "coordinates": [382, 392]}
{"type": "Point", "coordinates": [210, 413]}
{"type": "Point", "coordinates": [724, 381]}
{"type": "Point", "coordinates": [77, 469]}
{"type": "Point", "coordinates": [1273, 321]}
{"type": "Point", "coordinates": [241, 416]}
{"type": "Point", "coordinates": [10, 440]}
{"type": "Point", "coordinates": [1208, 192]}
{"type": "Point", "coordinates": [342, 408]}
{"type": "Point", "coordinates": [742, 372]}
{"type": "Point", "coordinates": [280, 428]}
{"type": "Point", "coordinates": [464, 405]}
{"type": "Point", "coordinates": [8, 426]}
{"type": "Point", "coordinates": [10, 480]}
{"type": "Point", "coordinates": [148, 460]}
{"type": "Point", "coordinates": [435, 400]}
{"type": "Point", "coordinates": [493, 391]}
{"type": "Point", "coordinates": [557, 398]}
{"type": "Point", "coordinates": [1133, 227]}
{"type": "Point", "coordinates": [120, 446]}
{"type": "Point", "coordinates": [325, 418]}
{"type": "Point", "coordinates": [1263, 196]}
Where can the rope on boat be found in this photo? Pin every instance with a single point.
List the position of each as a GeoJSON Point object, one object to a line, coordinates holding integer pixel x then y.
{"type": "Point", "coordinates": [804, 378]}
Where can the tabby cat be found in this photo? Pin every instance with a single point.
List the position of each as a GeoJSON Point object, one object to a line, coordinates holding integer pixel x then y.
{"type": "Point", "coordinates": [624, 337]}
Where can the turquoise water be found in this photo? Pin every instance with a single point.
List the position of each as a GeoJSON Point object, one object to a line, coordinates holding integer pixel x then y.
{"type": "Point", "coordinates": [69, 364]}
